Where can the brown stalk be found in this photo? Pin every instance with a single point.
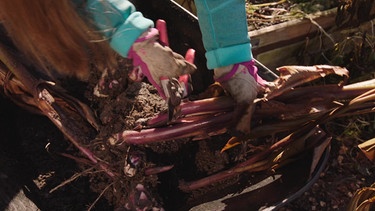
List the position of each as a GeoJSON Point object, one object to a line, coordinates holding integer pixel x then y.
{"type": "Point", "coordinates": [330, 91]}
{"type": "Point", "coordinates": [367, 95]}
{"type": "Point", "coordinates": [16, 92]}
{"type": "Point", "coordinates": [64, 114]}
{"type": "Point", "coordinates": [299, 135]}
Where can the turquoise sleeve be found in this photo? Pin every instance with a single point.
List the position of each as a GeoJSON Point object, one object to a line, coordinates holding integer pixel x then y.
{"type": "Point", "coordinates": [119, 22]}
{"type": "Point", "coordinates": [223, 24]}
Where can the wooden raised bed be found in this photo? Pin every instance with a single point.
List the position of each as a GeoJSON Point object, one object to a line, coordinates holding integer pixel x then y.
{"type": "Point", "coordinates": [280, 44]}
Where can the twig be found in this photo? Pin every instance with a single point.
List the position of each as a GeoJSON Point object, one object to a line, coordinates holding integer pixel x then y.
{"type": "Point", "coordinates": [77, 160]}
{"type": "Point", "coordinates": [269, 4]}
{"type": "Point", "coordinates": [71, 179]}
{"type": "Point", "coordinates": [320, 28]}
{"type": "Point", "coordinates": [100, 195]}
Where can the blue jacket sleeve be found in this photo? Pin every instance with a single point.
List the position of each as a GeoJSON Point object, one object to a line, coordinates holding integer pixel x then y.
{"type": "Point", "coordinates": [224, 32]}
{"type": "Point", "coordinates": [119, 22]}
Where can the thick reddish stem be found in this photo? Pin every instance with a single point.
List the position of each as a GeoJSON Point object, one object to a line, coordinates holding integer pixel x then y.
{"type": "Point", "coordinates": [203, 126]}
{"type": "Point", "coordinates": [158, 170]}
{"type": "Point", "coordinates": [198, 107]}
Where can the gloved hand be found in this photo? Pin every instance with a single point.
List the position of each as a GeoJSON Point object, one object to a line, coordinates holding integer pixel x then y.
{"type": "Point", "coordinates": [156, 61]}
{"type": "Point", "coordinates": [243, 84]}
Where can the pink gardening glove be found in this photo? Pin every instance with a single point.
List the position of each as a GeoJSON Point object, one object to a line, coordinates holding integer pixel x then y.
{"type": "Point", "coordinates": [157, 62]}
{"type": "Point", "coordinates": [243, 84]}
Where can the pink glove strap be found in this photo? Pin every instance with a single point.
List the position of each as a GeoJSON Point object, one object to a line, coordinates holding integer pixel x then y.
{"type": "Point", "coordinates": [151, 33]}
{"type": "Point", "coordinates": [253, 71]}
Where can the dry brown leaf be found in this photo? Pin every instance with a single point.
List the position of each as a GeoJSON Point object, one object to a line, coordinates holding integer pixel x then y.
{"type": "Point", "coordinates": [368, 148]}
{"type": "Point", "coordinates": [293, 76]}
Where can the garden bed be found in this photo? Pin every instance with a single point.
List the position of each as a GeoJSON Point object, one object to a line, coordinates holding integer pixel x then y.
{"type": "Point", "coordinates": [39, 145]}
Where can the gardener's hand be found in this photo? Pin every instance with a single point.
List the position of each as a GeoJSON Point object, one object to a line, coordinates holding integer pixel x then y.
{"type": "Point", "coordinates": [243, 84]}
{"type": "Point", "coordinates": [156, 61]}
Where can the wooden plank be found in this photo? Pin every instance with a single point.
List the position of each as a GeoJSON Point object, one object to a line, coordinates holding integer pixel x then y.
{"type": "Point", "coordinates": [288, 54]}
{"type": "Point", "coordinates": [293, 31]}
{"type": "Point", "coordinates": [289, 32]}
{"type": "Point", "coordinates": [189, 5]}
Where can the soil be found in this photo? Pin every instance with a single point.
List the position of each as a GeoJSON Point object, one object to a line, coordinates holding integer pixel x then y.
{"type": "Point", "coordinates": [33, 159]}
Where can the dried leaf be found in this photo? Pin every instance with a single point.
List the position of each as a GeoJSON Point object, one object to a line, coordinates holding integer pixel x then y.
{"type": "Point", "coordinates": [318, 152]}
{"type": "Point", "coordinates": [363, 199]}
{"type": "Point", "coordinates": [368, 148]}
{"type": "Point", "coordinates": [293, 76]}
{"type": "Point", "coordinates": [234, 141]}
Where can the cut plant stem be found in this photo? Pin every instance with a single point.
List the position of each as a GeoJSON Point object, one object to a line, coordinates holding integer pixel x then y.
{"type": "Point", "coordinates": [158, 169]}
{"type": "Point", "coordinates": [205, 125]}
{"type": "Point", "coordinates": [198, 107]}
